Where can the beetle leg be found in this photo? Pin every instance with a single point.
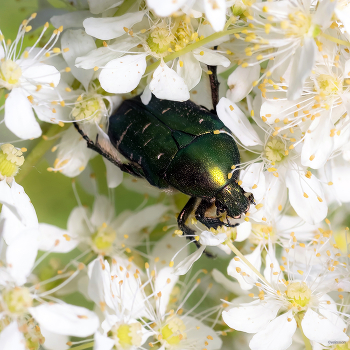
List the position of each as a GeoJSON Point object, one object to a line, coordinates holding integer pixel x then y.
{"type": "Point", "coordinates": [208, 221]}
{"type": "Point", "coordinates": [184, 215]}
{"type": "Point", "coordinates": [205, 220]}
{"type": "Point", "coordinates": [97, 148]}
{"type": "Point", "coordinates": [188, 232]}
{"type": "Point", "coordinates": [214, 85]}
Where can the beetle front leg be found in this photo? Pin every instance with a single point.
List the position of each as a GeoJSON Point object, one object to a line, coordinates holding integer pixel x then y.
{"type": "Point", "coordinates": [201, 216]}
{"type": "Point", "coordinates": [184, 215]}
{"type": "Point", "coordinates": [188, 232]}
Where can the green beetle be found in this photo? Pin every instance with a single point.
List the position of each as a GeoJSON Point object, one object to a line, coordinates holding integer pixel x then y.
{"type": "Point", "coordinates": [182, 146]}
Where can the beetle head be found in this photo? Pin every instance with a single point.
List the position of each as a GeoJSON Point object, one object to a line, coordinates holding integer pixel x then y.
{"type": "Point", "coordinates": [233, 200]}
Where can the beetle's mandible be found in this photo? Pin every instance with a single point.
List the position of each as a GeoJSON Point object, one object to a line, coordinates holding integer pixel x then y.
{"type": "Point", "coordinates": [182, 146]}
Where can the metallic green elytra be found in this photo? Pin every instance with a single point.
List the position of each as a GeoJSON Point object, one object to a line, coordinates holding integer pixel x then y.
{"type": "Point", "coordinates": [182, 146]}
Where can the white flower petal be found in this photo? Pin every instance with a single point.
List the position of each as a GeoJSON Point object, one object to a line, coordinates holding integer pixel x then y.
{"type": "Point", "coordinates": [215, 12]}
{"type": "Point", "coordinates": [111, 27]}
{"type": "Point", "coordinates": [77, 223]}
{"type": "Point", "coordinates": [210, 57]}
{"type": "Point", "coordinates": [183, 267]}
{"type": "Point", "coordinates": [17, 213]}
{"type": "Point", "coordinates": [162, 285]}
{"type": "Point", "coordinates": [11, 338]}
{"type": "Point", "coordinates": [243, 231]}
{"type": "Point", "coordinates": [340, 177]}
{"type": "Point", "coordinates": [114, 174]}
{"type": "Point", "coordinates": [228, 285]}
{"type": "Point", "coordinates": [146, 96]}
{"type": "Point", "coordinates": [99, 6]}
{"type": "Point", "coordinates": [167, 84]}
{"type": "Point", "coordinates": [102, 342]}
{"type": "Point", "coordinates": [237, 122]}
{"type": "Point", "coordinates": [272, 267]}
{"type": "Point", "coordinates": [208, 238]}
{"type": "Point", "coordinates": [278, 109]}
{"type": "Point", "coordinates": [328, 308]}
{"type": "Point", "coordinates": [200, 331]}
{"type": "Point", "coordinates": [66, 319]}
{"type": "Point", "coordinates": [101, 56]}
{"type": "Point", "coordinates": [320, 329]}
{"type": "Point", "coordinates": [237, 265]}
{"type": "Point", "coordinates": [21, 254]}
{"type": "Point", "coordinates": [303, 62]}
{"type": "Point", "coordinates": [167, 247]}
{"type": "Point", "coordinates": [51, 238]}
{"type": "Point", "coordinates": [277, 335]}
{"type": "Point", "coordinates": [240, 82]}
{"type": "Point", "coordinates": [305, 195]}
{"type": "Point", "coordinates": [147, 217]}
{"type": "Point", "coordinates": [79, 44]}
{"type": "Point", "coordinates": [343, 13]}
{"type": "Point", "coordinates": [318, 144]}
{"type": "Point", "coordinates": [19, 116]}
{"type": "Point", "coordinates": [324, 13]}
{"type": "Point", "coordinates": [102, 212]}
{"type": "Point", "coordinates": [123, 74]}
{"type": "Point", "coordinates": [253, 176]}
{"type": "Point", "coordinates": [99, 288]}
{"type": "Point", "coordinates": [54, 341]}
{"type": "Point", "coordinates": [71, 19]}
{"type": "Point", "coordinates": [40, 73]}
{"type": "Point", "coordinates": [165, 8]}
{"type": "Point", "coordinates": [190, 71]}
{"type": "Point", "coordinates": [11, 226]}
{"type": "Point", "coordinates": [252, 317]}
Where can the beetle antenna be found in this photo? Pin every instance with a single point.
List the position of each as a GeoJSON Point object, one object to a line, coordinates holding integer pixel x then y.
{"type": "Point", "coordinates": [214, 84]}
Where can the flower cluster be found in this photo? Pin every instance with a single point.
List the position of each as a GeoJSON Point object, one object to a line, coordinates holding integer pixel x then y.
{"type": "Point", "coordinates": [87, 277]}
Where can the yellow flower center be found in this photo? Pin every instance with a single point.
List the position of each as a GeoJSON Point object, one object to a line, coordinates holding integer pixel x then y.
{"type": "Point", "coordinates": [183, 34]}
{"type": "Point", "coordinates": [17, 300]}
{"type": "Point", "coordinates": [127, 335]}
{"type": "Point", "coordinates": [345, 346]}
{"type": "Point", "coordinates": [91, 109]}
{"type": "Point", "coordinates": [32, 334]}
{"type": "Point", "coordinates": [275, 150]}
{"type": "Point", "coordinates": [103, 238]}
{"type": "Point", "coordinates": [173, 332]}
{"type": "Point", "coordinates": [160, 39]}
{"type": "Point", "coordinates": [327, 85]}
{"type": "Point", "coordinates": [10, 160]}
{"type": "Point", "coordinates": [10, 73]}
{"type": "Point", "coordinates": [299, 293]}
{"type": "Point", "coordinates": [260, 233]}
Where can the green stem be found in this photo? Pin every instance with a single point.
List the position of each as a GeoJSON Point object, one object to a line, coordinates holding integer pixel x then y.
{"type": "Point", "coordinates": [298, 319]}
{"type": "Point", "coordinates": [83, 346]}
{"type": "Point", "coordinates": [39, 150]}
{"type": "Point", "coordinates": [124, 7]}
{"type": "Point", "coordinates": [194, 46]}
{"type": "Point", "coordinates": [247, 262]}
{"type": "Point", "coordinates": [335, 40]}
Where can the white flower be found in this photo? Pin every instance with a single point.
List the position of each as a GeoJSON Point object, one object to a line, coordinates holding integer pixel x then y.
{"type": "Point", "coordinates": [297, 301]}
{"type": "Point", "coordinates": [278, 168]}
{"type": "Point", "coordinates": [104, 233]}
{"type": "Point", "coordinates": [26, 305]}
{"type": "Point", "coordinates": [121, 73]}
{"type": "Point", "coordinates": [27, 79]}
{"type": "Point", "coordinates": [18, 214]}
{"type": "Point", "coordinates": [215, 11]}
{"type": "Point", "coordinates": [287, 32]}
{"type": "Point", "coordinates": [173, 329]}
{"type": "Point", "coordinates": [319, 114]}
